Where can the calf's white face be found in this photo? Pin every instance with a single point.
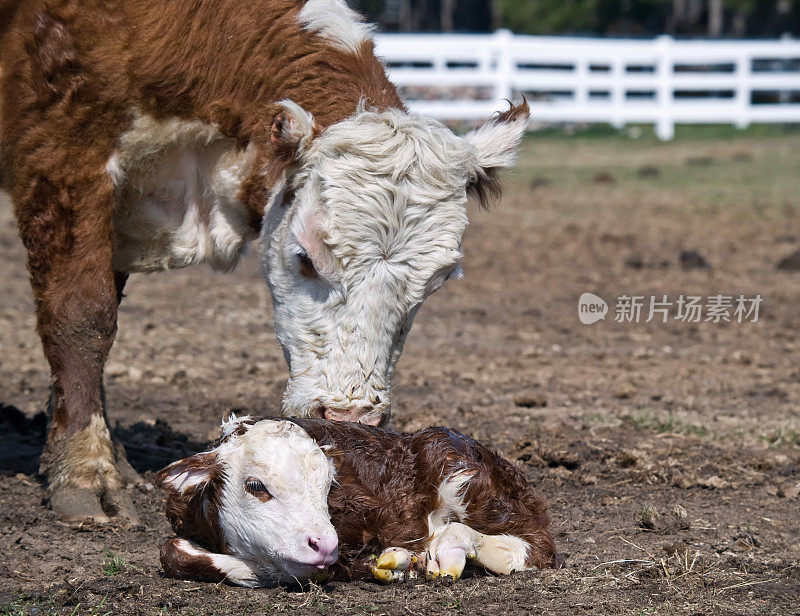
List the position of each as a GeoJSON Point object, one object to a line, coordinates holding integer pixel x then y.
{"type": "Point", "coordinates": [367, 225]}
{"type": "Point", "coordinates": [262, 495]}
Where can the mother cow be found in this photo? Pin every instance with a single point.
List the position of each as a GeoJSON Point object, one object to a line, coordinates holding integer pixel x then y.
{"type": "Point", "coordinates": [141, 136]}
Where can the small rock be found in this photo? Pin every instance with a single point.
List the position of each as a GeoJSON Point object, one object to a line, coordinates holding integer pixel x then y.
{"type": "Point", "coordinates": [692, 259]}
{"type": "Point", "coordinates": [699, 161]}
{"type": "Point", "coordinates": [792, 492]}
{"type": "Point", "coordinates": [649, 171]}
{"type": "Point", "coordinates": [625, 391]}
{"type": "Point", "coordinates": [713, 482]}
{"type": "Point", "coordinates": [562, 458]}
{"type": "Point", "coordinates": [679, 519]}
{"type": "Point", "coordinates": [604, 178]}
{"type": "Point", "coordinates": [530, 400]}
{"type": "Point", "coordinates": [179, 376]}
{"type": "Point", "coordinates": [676, 547]}
{"type": "Point", "coordinates": [790, 263]}
{"type": "Point", "coordinates": [24, 479]}
{"type": "Point", "coordinates": [538, 182]}
{"type": "Point", "coordinates": [742, 357]}
{"type": "Point", "coordinates": [646, 517]}
{"type": "Point", "coordinates": [634, 262]}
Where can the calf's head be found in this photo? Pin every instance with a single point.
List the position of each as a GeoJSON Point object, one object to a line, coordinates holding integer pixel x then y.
{"type": "Point", "coordinates": [366, 224]}
{"type": "Point", "coordinates": [261, 495]}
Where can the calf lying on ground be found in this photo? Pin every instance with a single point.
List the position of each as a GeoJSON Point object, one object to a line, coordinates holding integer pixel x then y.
{"type": "Point", "coordinates": [278, 500]}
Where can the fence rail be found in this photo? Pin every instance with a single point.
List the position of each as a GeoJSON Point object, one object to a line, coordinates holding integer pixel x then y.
{"type": "Point", "coordinates": [662, 81]}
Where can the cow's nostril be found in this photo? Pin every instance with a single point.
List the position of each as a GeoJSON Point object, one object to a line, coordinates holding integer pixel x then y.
{"type": "Point", "coordinates": [313, 544]}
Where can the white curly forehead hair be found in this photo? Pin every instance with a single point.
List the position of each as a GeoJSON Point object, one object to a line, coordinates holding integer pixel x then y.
{"type": "Point", "coordinates": [368, 225]}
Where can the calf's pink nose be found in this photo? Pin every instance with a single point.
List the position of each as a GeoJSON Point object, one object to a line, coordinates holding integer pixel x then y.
{"type": "Point", "coordinates": [326, 545]}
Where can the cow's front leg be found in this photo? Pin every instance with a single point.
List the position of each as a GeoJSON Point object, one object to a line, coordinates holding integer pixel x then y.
{"type": "Point", "coordinates": [81, 461]}
{"type": "Point", "coordinates": [68, 236]}
{"type": "Point", "coordinates": [455, 543]}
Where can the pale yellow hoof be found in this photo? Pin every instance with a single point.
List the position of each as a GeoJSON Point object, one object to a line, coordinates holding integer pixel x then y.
{"type": "Point", "coordinates": [394, 565]}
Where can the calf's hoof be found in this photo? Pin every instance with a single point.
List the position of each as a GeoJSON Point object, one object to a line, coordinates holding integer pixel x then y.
{"type": "Point", "coordinates": [394, 565]}
{"type": "Point", "coordinates": [447, 553]}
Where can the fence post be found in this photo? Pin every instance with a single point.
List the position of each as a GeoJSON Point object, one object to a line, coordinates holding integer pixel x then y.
{"type": "Point", "coordinates": [743, 71]}
{"type": "Point", "coordinates": [504, 69]}
{"type": "Point", "coordinates": [665, 123]}
{"type": "Point", "coordinates": [618, 94]}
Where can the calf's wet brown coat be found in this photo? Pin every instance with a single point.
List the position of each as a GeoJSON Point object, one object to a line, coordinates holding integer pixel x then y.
{"type": "Point", "coordinates": [386, 485]}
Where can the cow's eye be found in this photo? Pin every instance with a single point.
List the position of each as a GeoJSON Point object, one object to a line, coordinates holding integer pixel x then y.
{"type": "Point", "coordinates": [257, 489]}
{"type": "Point", "coordinates": [307, 269]}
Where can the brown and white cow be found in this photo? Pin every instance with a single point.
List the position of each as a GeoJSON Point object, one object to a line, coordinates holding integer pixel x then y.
{"type": "Point", "coordinates": [141, 136]}
{"type": "Point", "coordinates": [279, 500]}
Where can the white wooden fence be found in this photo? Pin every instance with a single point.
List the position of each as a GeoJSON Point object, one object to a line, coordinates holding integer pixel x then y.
{"type": "Point", "coordinates": [660, 81]}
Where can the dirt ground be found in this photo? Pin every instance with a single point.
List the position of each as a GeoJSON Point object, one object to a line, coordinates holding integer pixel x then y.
{"type": "Point", "coordinates": [668, 451]}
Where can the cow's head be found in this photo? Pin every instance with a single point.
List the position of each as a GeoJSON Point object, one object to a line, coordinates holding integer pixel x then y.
{"type": "Point", "coordinates": [366, 225]}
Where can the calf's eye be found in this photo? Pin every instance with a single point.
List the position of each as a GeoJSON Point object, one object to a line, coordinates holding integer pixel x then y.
{"type": "Point", "coordinates": [257, 489]}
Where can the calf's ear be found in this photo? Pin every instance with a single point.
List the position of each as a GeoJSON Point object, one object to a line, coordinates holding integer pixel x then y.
{"type": "Point", "coordinates": [292, 131]}
{"type": "Point", "coordinates": [193, 487]}
{"type": "Point", "coordinates": [191, 474]}
{"type": "Point", "coordinates": [496, 145]}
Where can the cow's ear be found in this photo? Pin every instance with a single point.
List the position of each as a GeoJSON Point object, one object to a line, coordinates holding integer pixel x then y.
{"type": "Point", "coordinates": [292, 131]}
{"type": "Point", "coordinates": [496, 145]}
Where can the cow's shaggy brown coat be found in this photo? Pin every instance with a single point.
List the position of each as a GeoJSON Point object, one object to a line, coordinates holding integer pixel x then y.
{"type": "Point", "coordinates": [75, 75]}
{"type": "Point", "coordinates": [72, 71]}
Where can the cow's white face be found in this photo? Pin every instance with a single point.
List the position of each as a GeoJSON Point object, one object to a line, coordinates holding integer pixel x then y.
{"type": "Point", "coordinates": [368, 225]}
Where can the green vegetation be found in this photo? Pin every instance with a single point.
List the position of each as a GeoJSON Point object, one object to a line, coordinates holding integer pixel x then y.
{"type": "Point", "coordinates": [742, 176]}
{"type": "Point", "coordinates": [647, 420]}
{"type": "Point", "coordinates": [755, 18]}
{"type": "Point", "coordinates": [113, 564]}
{"type": "Point", "coordinates": [783, 435]}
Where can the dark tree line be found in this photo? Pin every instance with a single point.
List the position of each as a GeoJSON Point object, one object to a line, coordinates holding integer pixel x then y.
{"type": "Point", "coordinates": [711, 18]}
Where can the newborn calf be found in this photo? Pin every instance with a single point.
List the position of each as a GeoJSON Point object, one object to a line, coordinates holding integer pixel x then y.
{"type": "Point", "coordinates": [258, 508]}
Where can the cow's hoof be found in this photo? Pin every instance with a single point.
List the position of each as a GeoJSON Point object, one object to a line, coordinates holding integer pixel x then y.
{"type": "Point", "coordinates": [119, 504]}
{"type": "Point", "coordinates": [126, 471]}
{"type": "Point", "coordinates": [78, 505]}
{"type": "Point", "coordinates": [83, 505]}
{"type": "Point", "coordinates": [394, 565]}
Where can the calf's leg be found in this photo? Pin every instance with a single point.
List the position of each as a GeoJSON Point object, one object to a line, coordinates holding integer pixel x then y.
{"type": "Point", "coordinates": [448, 551]}
{"type": "Point", "coordinates": [186, 560]}
{"type": "Point", "coordinates": [452, 545]}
